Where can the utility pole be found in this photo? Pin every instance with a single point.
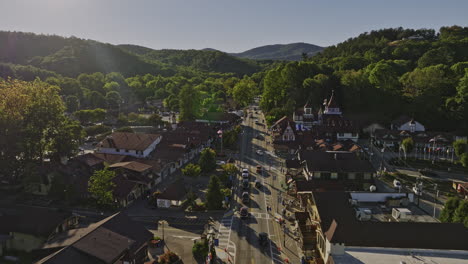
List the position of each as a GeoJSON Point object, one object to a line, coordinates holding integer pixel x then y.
{"type": "Point", "coordinates": [435, 199]}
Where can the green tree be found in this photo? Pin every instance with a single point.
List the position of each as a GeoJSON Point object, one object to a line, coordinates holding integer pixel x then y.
{"type": "Point", "coordinates": [214, 197]}
{"type": "Point", "coordinates": [113, 100]}
{"type": "Point", "coordinates": [97, 100]}
{"type": "Point", "coordinates": [244, 91]}
{"type": "Point", "coordinates": [384, 76]}
{"type": "Point", "coordinates": [448, 212]}
{"type": "Point", "coordinates": [207, 160]}
{"type": "Point", "coordinates": [67, 140]}
{"type": "Point", "coordinates": [189, 103]}
{"type": "Point", "coordinates": [464, 159]}
{"type": "Point", "coordinates": [407, 145]}
{"type": "Point", "coordinates": [101, 187]}
{"type": "Point", "coordinates": [111, 86]}
{"type": "Point", "coordinates": [460, 146]}
{"type": "Point", "coordinates": [72, 103]}
{"type": "Point", "coordinates": [229, 169]}
{"type": "Point", "coordinates": [461, 213]}
{"type": "Point", "coordinates": [155, 120]}
{"type": "Point", "coordinates": [191, 170]}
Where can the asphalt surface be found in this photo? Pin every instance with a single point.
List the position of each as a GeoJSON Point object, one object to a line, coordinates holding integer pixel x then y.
{"type": "Point", "coordinates": [244, 233]}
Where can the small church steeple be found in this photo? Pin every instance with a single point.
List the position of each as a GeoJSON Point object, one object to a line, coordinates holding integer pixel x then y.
{"type": "Point", "coordinates": [331, 107]}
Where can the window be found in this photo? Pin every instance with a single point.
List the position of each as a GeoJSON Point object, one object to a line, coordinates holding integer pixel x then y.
{"type": "Point", "coordinates": [334, 175]}
{"type": "Point", "coordinates": [354, 134]}
{"type": "Point", "coordinates": [351, 176]}
{"type": "Point", "coordinates": [126, 150]}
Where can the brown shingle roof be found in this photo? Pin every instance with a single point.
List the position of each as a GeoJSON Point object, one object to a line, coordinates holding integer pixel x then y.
{"type": "Point", "coordinates": [130, 141]}
{"type": "Point", "coordinates": [102, 242]}
{"type": "Point", "coordinates": [132, 165]}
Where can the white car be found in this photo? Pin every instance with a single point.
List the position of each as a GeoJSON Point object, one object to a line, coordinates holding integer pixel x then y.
{"type": "Point", "coordinates": [396, 184]}
{"type": "Point", "coordinates": [245, 171]}
{"type": "Point", "coordinates": [220, 162]}
{"type": "Point", "coordinates": [245, 175]}
{"type": "Point", "coordinates": [259, 152]}
{"type": "Point", "coordinates": [417, 191]}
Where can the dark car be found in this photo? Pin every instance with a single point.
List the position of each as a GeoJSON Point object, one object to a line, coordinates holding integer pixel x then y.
{"type": "Point", "coordinates": [244, 212]}
{"type": "Point", "coordinates": [259, 169]}
{"type": "Point", "coordinates": [428, 173]}
{"type": "Point", "coordinates": [245, 197]}
{"type": "Point", "coordinates": [263, 239]}
{"type": "Point", "coordinates": [258, 184]}
{"type": "Point", "coordinates": [245, 184]}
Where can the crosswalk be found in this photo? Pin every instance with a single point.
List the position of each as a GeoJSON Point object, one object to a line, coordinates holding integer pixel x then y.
{"type": "Point", "coordinates": [224, 236]}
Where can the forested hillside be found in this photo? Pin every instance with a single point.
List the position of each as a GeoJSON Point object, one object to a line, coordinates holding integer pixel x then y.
{"type": "Point", "coordinates": [73, 56]}
{"type": "Point", "coordinates": [293, 51]}
{"type": "Point", "coordinates": [380, 75]}
{"type": "Point", "coordinates": [205, 60]}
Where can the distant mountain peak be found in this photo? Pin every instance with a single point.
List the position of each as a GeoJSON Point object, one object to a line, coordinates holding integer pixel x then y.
{"type": "Point", "coordinates": [292, 51]}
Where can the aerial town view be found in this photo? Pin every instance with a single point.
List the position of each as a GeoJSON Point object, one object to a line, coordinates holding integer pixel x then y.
{"type": "Point", "coordinates": [233, 132]}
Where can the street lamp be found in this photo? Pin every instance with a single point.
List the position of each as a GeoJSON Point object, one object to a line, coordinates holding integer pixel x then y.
{"type": "Point", "coordinates": [161, 222]}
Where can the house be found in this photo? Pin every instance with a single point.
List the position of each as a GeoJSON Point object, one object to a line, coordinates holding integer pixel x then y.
{"type": "Point", "coordinates": [406, 123]}
{"type": "Point", "coordinates": [116, 239]}
{"type": "Point", "coordinates": [341, 233]}
{"type": "Point", "coordinates": [307, 126]}
{"type": "Point", "coordinates": [172, 196]}
{"type": "Point", "coordinates": [345, 168]}
{"type": "Point", "coordinates": [27, 228]}
{"type": "Point", "coordinates": [129, 144]}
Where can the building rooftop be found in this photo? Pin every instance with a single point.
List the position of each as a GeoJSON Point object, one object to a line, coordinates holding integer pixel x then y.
{"type": "Point", "coordinates": [367, 255]}
{"type": "Point", "coordinates": [130, 141]}
{"type": "Point", "coordinates": [339, 223]}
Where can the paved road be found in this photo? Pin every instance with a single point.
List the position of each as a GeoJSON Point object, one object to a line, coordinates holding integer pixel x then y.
{"type": "Point", "coordinates": [241, 237]}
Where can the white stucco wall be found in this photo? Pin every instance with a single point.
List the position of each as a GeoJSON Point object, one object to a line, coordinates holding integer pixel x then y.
{"type": "Point", "coordinates": [131, 152]}
{"type": "Point", "coordinates": [407, 127]}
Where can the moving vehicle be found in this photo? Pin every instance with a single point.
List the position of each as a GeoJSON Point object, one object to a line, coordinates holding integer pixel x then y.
{"type": "Point", "coordinates": [245, 184]}
{"type": "Point", "coordinates": [245, 171]}
{"type": "Point", "coordinates": [396, 184]}
{"type": "Point", "coordinates": [259, 169]}
{"type": "Point", "coordinates": [244, 212]}
{"type": "Point", "coordinates": [245, 197]}
{"type": "Point", "coordinates": [263, 239]}
{"type": "Point", "coordinates": [245, 175]}
{"type": "Point", "coordinates": [258, 184]}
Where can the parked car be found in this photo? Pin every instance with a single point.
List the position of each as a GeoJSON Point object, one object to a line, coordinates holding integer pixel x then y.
{"type": "Point", "coordinates": [245, 197]}
{"type": "Point", "coordinates": [417, 191]}
{"type": "Point", "coordinates": [396, 184]}
{"type": "Point", "coordinates": [428, 173]}
{"type": "Point", "coordinates": [245, 170]}
{"type": "Point", "coordinates": [258, 184]}
{"type": "Point", "coordinates": [259, 169]}
{"type": "Point", "coordinates": [245, 175]}
{"type": "Point", "coordinates": [259, 137]}
{"type": "Point", "coordinates": [220, 162]}
{"type": "Point", "coordinates": [259, 152]}
{"type": "Point", "coordinates": [263, 239]}
{"type": "Point", "coordinates": [244, 212]}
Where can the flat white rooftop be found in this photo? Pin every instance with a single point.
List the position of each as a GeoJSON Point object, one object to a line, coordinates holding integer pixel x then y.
{"type": "Point", "coordinates": [359, 255]}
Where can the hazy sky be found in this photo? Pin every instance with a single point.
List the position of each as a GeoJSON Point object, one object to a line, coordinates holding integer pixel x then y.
{"type": "Point", "coordinates": [232, 26]}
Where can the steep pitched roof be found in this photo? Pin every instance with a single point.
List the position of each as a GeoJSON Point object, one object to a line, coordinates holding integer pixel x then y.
{"type": "Point", "coordinates": [132, 165]}
{"type": "Point", "coordinates": [332, 102]}
{"type": "Point", "coordinates": [32, 220]}
{"type": "Point", "coordinates": [102, 242]}
{"type": "Point", "coordinates": [131, 141]}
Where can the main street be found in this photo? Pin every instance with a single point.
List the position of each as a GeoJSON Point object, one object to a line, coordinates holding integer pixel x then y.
{"type": "Point", "coordinates": [243, 234]}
